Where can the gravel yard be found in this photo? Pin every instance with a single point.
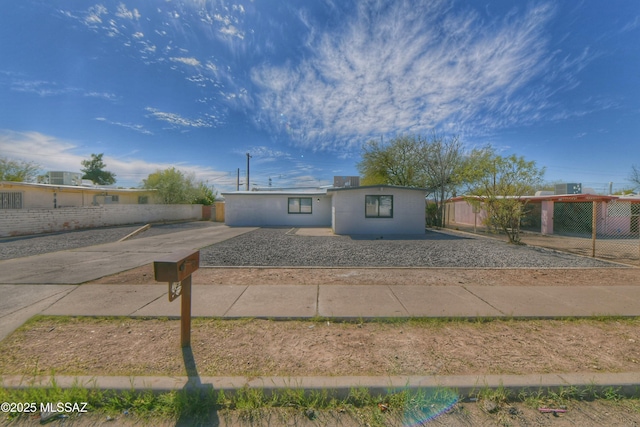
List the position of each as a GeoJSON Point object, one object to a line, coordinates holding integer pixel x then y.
{"type": "Point", "coordinates": [16, 247]}
{"type": "Point", "coordinates": [283, 247]}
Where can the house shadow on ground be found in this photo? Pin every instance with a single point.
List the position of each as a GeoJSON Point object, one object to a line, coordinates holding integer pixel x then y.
{"type": "Point", "coordinates": [428, 235]}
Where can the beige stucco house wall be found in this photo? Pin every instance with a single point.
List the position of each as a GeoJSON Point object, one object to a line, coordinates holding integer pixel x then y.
{"type": "Point", "coordinates": [47, 196]}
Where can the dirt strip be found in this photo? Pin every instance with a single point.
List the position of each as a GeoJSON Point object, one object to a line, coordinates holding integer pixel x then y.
{"type": "Point", "coordinates": [392, 276]}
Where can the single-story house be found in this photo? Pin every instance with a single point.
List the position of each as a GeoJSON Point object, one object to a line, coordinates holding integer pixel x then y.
{"type": "Point", "coordinates": [379, 209]}
{"type": "Point", "coordinates": [25, 195]}
{"type": "Point", "coordinates": [561, 213]}
{"type": "Point", "coordinates": [27, 208]}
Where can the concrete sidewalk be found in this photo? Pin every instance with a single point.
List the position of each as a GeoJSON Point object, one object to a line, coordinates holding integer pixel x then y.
{"type": "Point", "coordinates": [52, 284]}
{"type": "Point", "coordinates": [351, 302]}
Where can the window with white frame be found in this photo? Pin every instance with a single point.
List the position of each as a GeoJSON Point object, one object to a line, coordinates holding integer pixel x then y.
{"type": "Point", "coordinates": [300, 205]}
{"type": "Point", "coordinates": [378, 207]}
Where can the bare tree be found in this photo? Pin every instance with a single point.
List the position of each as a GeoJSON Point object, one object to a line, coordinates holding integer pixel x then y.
{"type": "Point", "coordinates": [635, 176]}
{"type": "Point", "coordinates": [443, 164]}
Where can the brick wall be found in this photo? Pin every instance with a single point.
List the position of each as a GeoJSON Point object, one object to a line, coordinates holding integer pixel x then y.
{"type": "Point", "coordinates": [16, 222]}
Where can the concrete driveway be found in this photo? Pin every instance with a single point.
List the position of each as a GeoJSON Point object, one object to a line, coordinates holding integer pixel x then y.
{"type": "Point", "coordinates": [30, 285]}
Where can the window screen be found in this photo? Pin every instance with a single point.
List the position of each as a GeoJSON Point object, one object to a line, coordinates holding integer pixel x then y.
{"type": "Point", "coordinates": [379, 206]}
{"type": "Point", "coordinates": [300, 205]}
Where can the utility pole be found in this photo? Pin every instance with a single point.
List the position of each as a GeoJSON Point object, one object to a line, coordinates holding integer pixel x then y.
{"type": "Point", "coordinates": [238, 180]}
{"type": "Point", "coordinates": [248, 157]}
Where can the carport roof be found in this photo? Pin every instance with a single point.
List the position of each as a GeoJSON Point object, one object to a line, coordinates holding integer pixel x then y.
{"type": "Point", "coordinates": [556, 198]}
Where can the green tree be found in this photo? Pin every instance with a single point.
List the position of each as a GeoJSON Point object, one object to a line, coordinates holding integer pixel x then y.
{"type": "Point", "coordinates": [175, 187]}
{"type": "Point", "coordinates": [18, 170]}
{"type": "Point", "coordinates": [94, 170]}
{"type": "Point", "coordinates": [436, 163]}
{"type": "Point", "coordinates": [204, 195]}
{"type": "Point", "coordinates": [498, 185]}
{"type": "Point", "coordinates": [395, 163]}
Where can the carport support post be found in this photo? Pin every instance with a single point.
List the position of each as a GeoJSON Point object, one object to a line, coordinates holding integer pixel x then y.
{"type": "Point", "coordinates": [594, 220]}
{"type": "Point", "coordinates": [185, 313]}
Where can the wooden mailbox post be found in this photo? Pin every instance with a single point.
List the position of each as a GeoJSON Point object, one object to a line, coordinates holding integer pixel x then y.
{"type": "Point", "coordinates": [176, 269]}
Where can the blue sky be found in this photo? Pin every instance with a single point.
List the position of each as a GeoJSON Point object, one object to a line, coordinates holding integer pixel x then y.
{"type": "Point", "coordinates": [301, 85]}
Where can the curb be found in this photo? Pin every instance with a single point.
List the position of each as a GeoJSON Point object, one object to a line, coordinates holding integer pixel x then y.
{"type": "Point", "coordinates": [136, 232]}
{"type": "Point", "coordinates": [467, 386]}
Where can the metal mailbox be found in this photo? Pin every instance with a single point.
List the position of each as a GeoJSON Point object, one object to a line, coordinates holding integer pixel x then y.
{"type": "Point", "coordinates": [176, 269]}
{"type": "Point", "coordinates": [177, 266]}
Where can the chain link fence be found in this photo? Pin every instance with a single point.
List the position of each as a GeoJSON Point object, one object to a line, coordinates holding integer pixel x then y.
{"type": "Point", "coordinates": [608, 230]}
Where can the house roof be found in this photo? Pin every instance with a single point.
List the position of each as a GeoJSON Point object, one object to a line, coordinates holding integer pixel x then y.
{"type": "Point", "coordinates": [398, 187]}
{"type": "Point", "coordinates": [315, 191]}
{"type": "Point", "coordinates": [25, 185]}
{"type": "Point", "coordinates": [289, 192]}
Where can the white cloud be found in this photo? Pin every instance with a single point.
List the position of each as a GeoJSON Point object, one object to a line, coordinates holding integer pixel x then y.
{"type": "Point", "coordinates": [55, 154]}
{"type": "Point", "coordinates": [632, 25]}
{"type": "Point", "coordinates": [232, 31]}
{"type": "Point", "coordinates": [94, 15]}
{"type": "Point", "coordinates": [178, 120]}
{"type": "Point", "coordinates": [102, 95]}
{"type": "Point", "coordinates": [123, 12]}
{"type": "Point", "coordinates": [39, 87]}
{"type": "Point", "coordinates": [137, 128]}
{"type": "Point", "coordinates": [228, 22]}
{"type": "Point", "coordinates": [47, 88]}
{"type": "Point", "coordinates": [211, 67]}
{"type": "Point", "coordinates": [263, 154]}
{"type": "Point", "coordinates": [187, 61]}
{"type": "Point", "coordinates": [49, 152]}
{"type": "Point", "coordinates": [405, 68]}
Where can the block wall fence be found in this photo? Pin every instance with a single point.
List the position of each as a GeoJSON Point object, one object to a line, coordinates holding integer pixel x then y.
{"type": "Point", "coordinates": [18, 222]}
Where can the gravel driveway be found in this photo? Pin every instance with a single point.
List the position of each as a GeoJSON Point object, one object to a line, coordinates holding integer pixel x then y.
{"type": "Point", "coordinates": [282, 247]}
{"type": "Point", "coordinates": [16, 247]}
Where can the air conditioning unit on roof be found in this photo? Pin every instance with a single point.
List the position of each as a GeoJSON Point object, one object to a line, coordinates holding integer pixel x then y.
{"type": "Point", "coordinates": [570, 188]}
{"type": "Point", "coordinates": [65, 178]}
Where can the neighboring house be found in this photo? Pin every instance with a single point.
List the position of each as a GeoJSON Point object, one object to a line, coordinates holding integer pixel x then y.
{"type": "Point", "coordinates": [380, 209]}
{"type": "Point", "coordinates": [27, 208]}
{"type": "Point", "coordinates": [23, 195]}
{"type": "Point", "coordinates": [562, 214]}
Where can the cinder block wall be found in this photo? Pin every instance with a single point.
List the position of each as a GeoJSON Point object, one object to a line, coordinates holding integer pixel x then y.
{"type": "Point", "coordinates": [17, 222]}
